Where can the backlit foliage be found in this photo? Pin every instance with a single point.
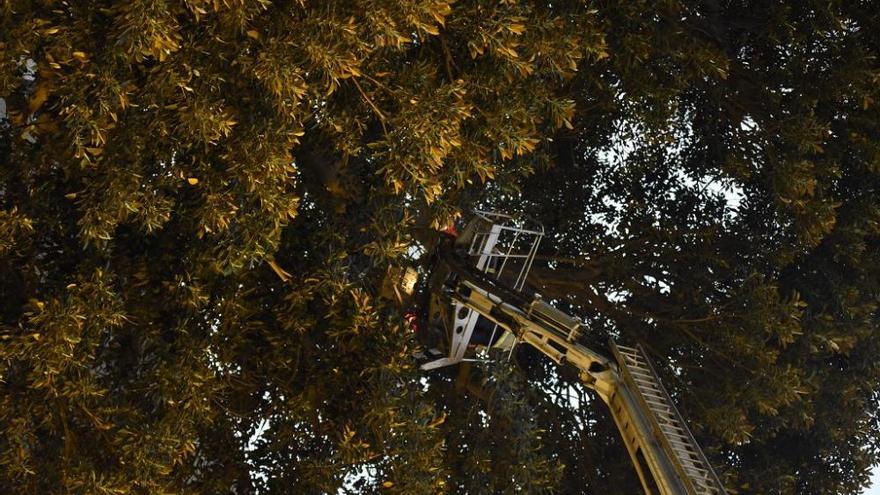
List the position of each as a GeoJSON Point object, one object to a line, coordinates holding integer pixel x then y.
{"type": "Point", "coordinates": [199, 200]}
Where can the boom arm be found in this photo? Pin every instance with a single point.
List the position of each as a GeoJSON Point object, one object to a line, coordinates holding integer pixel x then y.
{"type": "Point", "coordinates": [666, 457]}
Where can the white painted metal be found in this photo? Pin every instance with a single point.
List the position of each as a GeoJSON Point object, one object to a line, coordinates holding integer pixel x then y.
{"type": "Point", "coordinates": [493, 241]}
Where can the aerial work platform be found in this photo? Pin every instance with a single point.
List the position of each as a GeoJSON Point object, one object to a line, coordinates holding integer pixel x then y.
{"type": "Point", "coordinates": [480, 301]}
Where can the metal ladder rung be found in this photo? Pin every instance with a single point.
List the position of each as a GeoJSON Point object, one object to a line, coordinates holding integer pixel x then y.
{"type": "Point", "coordinates": [636, 358]}
{"type": "Point", "coordinates": [643, 377]}
{"type": "Point", "coordinates": [684, 439]}
{"type": "Point", "coordinates": [653, 395]}
{"type": "Point", "coordinates": [635, 364]}
{"type": "Point", "coordinates": [703, 479]}
{"type": "Point", "coordinates": [677, 440]}
{"type": "Point", "coordinates": [685, 462]}
{"type": "Point", "coordinates": [694, 479]}
{"type": "Point", "coordinates": [695, 472]}
{"type": "Point", "coordinates": [676, 431]}
{"type": "Point", "coordinates": [663, 402]}
{"type": "Point", "coordinates": [652, 389]}
{"type": "Point", "coordinates": [667, 421]}
{"type": "Point", "coordinates": [652, 392]}
{"type": "Point", "coordinates": [648, 380]}
{"type": "Point", "coordinates": [667, 415]}
{"type": "Point", "coordinates": [641, 373]}
{"type": "Point", "coordinates": [684, 458]}
{"type": "Point", "coordinates": [702, 473]}
{"type": "Point", "coordinates": [685, 465]}
{"type": "Point", "coordinates": [683, 445]}
{"type": "Point", "coordinates": [689, 463]}
{"type": "Point", "coordinates": [660, 408]}
{"type": "Point", "coordinates": [680, 440]}
{"type": "Point", "coordinates": [646, 377]}
{"type": "Point", "coordinates": [659, 404]}
{"type": "Point", "coordinates": [638, 365]}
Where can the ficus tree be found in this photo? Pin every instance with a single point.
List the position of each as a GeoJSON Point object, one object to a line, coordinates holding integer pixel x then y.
{"type": "Point", "coordinates": [199, 202]}
{"type": "Point", "coordinates": [716, 202]}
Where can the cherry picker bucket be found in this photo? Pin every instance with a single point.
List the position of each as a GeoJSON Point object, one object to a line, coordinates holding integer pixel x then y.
{"type": "Point", "coordinates": [501, 248]}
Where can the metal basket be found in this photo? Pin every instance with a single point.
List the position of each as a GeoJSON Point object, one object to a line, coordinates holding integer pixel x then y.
{"type": "Point", "coordinates": [502, 246]}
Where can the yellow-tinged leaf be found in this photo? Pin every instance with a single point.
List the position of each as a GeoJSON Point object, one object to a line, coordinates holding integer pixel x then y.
{"type": "Point", "coordinates": [510, 52]}
{"type": "Point", "coordinates": [253, 33]}
{"type": "Point", "coordinates": [192, 181]}
{"type": "Point", "coordinates": [431, 29]}
{"type": "Point", "coordinates": [437, 421]}
{"type": "Point", "coordinates": [80, 55]}
{"type": "Point", "coordinates": [283, 275]}
{"type": "Point", "coordinates": [388, 484]}
{"type": "Point", "coordinates": [70, 195]}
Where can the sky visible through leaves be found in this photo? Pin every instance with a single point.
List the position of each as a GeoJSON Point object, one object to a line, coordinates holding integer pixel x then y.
{"type": "Point", "coordinates": [200, 201]}
{"type": "Point", "coordinates": [875, 483]}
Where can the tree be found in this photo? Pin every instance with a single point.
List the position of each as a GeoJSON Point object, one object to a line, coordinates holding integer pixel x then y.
{"type": "Point", "coordinates": [717, 202]}
{"type": "Point", "coordinates": [199, 200]}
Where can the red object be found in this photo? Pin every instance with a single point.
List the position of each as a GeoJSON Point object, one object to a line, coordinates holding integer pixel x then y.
{"type": "Point", "coordinates": [450, 230]}
{"type": "Point", "coordinates": [412, 319]}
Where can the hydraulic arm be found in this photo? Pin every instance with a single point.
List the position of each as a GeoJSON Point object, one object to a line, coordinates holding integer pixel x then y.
{"type": "Point", "coordinates": [665, 454]}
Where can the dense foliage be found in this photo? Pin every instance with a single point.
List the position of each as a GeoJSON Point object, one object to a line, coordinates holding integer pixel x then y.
{"type": "Point", "coordinates": [199, 201]}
